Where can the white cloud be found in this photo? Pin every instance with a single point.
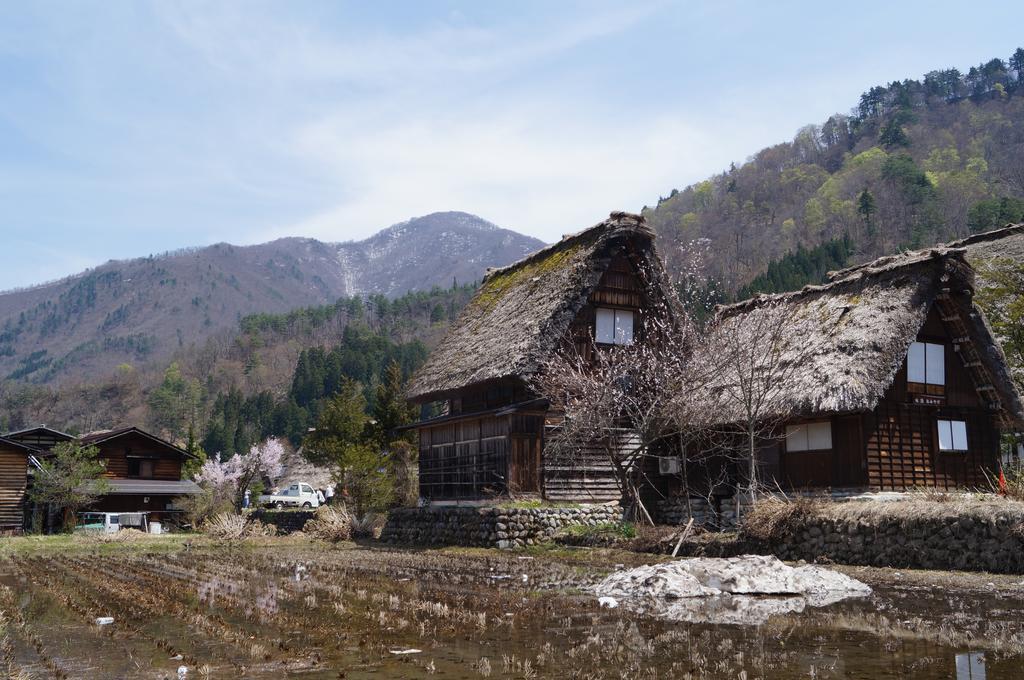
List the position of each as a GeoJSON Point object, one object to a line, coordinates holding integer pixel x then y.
{"type": "Point", "coordinates": [517, 169]}
{"type": "Point", "coordinates": [281, 48]}
{"type": "Point", "coordinates": [397, 124]}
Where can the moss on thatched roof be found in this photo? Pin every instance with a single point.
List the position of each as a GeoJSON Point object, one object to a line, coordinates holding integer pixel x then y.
{"type": "Point", "coordinates": [521, 312]}
{"type": "Point", "coordinates": [856, 330]}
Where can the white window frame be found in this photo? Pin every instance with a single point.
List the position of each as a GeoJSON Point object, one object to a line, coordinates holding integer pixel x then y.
{"type": "Point", "coordinates": [799, 437]}
{"type": "Point", "coordinates": [926, 363]}
{"type": "Point", "coordinates": [619, 332]}
{"type": "Point", "coordinates": [952, 435]}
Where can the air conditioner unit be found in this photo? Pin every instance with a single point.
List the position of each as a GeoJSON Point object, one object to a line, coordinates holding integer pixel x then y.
{"type": "Point", "coordinates": [668, 466]}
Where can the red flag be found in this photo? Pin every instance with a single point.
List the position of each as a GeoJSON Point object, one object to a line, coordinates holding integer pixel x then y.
{"type": "Point", "coordinates": [1002, 482]}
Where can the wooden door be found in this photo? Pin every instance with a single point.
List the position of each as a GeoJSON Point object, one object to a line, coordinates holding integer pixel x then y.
{"type": "Point", "coordinates": [524, 464]}
{"type": "Point", "coordinates": [850, 456]}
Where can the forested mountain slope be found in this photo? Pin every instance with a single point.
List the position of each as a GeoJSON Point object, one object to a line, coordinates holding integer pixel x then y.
{"type": "Point", "coordinates": [265, 376]}
{"type": "Point", "coordinates": [143, 312]}
{"type": "Point", "coordinates": [914, 163]}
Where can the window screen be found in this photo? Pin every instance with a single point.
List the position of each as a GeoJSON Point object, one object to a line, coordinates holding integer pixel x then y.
{"type": "Point", "coordinates": [623, 327]}
{"type": "Point", "coordinates": [809, 437]}
{"type": "Point", "coordinates": [926, 363]}
{"type": "Point", "coordinates": [952, 435]}
{"type": "Point", "coordinates": [605, 326]}
{"type": "Point", "coordinates": [614, 326]}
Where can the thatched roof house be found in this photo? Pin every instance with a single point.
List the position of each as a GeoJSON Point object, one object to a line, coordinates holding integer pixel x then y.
{"type": "Point", "coordinates": [860, 324]}
{"type": "Point", "coordinates": [592, 286]}
{"type": "Point", "coordinates": [522, 311]}
{"type": "Point", "coordinates": [883, 367]}
{"type": "Point", "coordinates": [999, 244]}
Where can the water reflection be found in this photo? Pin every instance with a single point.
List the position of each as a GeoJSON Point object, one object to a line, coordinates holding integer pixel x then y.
{"type": "Point", "coordinates": [744, 610]}
{"type": "Point", "coordinates": [970, 666]}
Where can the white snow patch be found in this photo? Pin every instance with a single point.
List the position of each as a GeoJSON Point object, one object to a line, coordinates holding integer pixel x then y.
{"type": "Point", "coordinates": [740, 590]}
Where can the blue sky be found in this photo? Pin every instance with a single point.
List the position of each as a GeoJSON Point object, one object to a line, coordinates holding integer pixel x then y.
{"type": "Point", "coordinates": [129, 128]}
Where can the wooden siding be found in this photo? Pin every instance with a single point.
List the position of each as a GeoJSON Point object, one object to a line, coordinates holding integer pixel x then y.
{"type": "Point", "coordinates": [489, 396]}
{"type": "Point", "coordinates": [480, 457]}
{"type": "Point", "coordinates": [842, 466]}
{"type": "Point", "coordinates": [13, 480]}
{"type": "Point", "coordinates": [903, 451]}
{"type": "Point", "coordinates": [586, 475]}
{"type": "Point", "coordinates": [620, 287]}
{"type": "Point", "coordinates": [901, 435]}
{"type": "Point", "coordinates": [134, 503]}
{"type": "Point", "coordinates": [115, 453]}
{"type": "Point", "coordinates": [43, 440]}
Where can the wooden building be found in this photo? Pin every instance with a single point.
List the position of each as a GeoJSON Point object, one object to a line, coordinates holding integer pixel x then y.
{"type": "Point", "coordinates": [14, 464]}
{"type": "Point", "coordinates": [897, 381]}
{"type": "Point", "coordinates": [591, 288]}
{"type": "Point", "coordinates": [143, 470]}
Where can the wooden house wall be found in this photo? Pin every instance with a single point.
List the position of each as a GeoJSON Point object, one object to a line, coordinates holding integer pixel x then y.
{"type": "Point", "coordinates": [843, 466]}
{"type": "Point", "coordinates": [959, 390]}
{"type": "Point", "coordinates": [489, 396]}
{"type": "Point", "coordinates": [903, 451]}
{"type": "Point", "coordinates": [487, 456]}
{"type": "Point", "coordinates": [585, 475]}
{"type": "Point", "coordinates": [901, 435]}
{"type": "Point", "coordinates": [134, 503]}
{"type": "Point", "coordinates": [115, 452]}
{"type": "Point", "coordinates": [13, 480]}
{"type": "Point", "coordinates": [481, 457]}
{"type": "Point", "coordinates": [39, 439]}
{"type": "Point", "coordinates": [620, 287]}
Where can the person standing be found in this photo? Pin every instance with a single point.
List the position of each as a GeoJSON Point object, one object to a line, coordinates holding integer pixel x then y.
{"type": "Point", "coordinates": [320, 500]}
{"type": "Point", "coordinates": [329, 494]}
{"type": "Point", "coordinates": [245, 500]}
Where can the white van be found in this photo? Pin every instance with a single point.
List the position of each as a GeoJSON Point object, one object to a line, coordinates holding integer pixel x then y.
{"type": "Point", "coordinates": [297, 495]}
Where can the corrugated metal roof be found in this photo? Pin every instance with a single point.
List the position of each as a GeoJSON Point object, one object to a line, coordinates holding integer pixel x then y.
{"type": "Point", "coordinates": [152, 487]}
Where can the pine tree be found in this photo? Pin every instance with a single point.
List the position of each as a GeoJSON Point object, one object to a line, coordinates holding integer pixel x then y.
{"type": "Point", "coordinates": [866, 208]}
{"type": "Point", "coordinates": [391, 410]}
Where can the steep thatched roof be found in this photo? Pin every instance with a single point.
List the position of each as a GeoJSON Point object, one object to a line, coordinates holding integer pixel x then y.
{"type": "Point", "coordinates": [999, 244]}
{"type": "Point", "coordinates": [855, 330]}
{"type": "Point", "coordinates": [520, 313]}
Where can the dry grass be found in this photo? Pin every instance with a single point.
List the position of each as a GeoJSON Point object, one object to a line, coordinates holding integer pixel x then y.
{"type": "Point", "coordinates": [1014, 475]}
{"type": "Point", "coordinates": [368, 526]}
{"type": "Point", "coordinates": [330, 524]}
{"type": "Point", "coordinates": [774, 516]}
{"type": "Point", "coordinates": [234, 527]}
{"type": "Point", "coordinates": [122, 536]}
{"type": "Point", "coordinates": [777, 517]}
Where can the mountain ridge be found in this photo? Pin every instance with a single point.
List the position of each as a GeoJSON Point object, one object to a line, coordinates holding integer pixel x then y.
{"type": "Point", "coordinates": [143, 310]}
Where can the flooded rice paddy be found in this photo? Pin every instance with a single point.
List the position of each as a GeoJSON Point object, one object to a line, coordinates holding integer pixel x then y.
{"type": "Point", "coordinates": [309, 611]}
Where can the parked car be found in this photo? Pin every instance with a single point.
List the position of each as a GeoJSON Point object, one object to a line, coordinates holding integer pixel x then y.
{"type": "Point", "coordinates": [298, 494]}
{"type": "Point", "coordinates": [106, 522]}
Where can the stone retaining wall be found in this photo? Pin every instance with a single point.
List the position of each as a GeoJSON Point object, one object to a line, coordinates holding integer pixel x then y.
{"type": "Point", "coordinates": [286, 521]}
{"type": "Point", "coordinates": [489, 526]}
{"type": "Point", "coordinates": [956, 541]}
{"type": "Point", "coordinates": [720, 512]}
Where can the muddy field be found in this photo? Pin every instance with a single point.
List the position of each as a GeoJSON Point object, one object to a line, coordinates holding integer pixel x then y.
{"type": "Point", "coordinates": [292, 608]}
